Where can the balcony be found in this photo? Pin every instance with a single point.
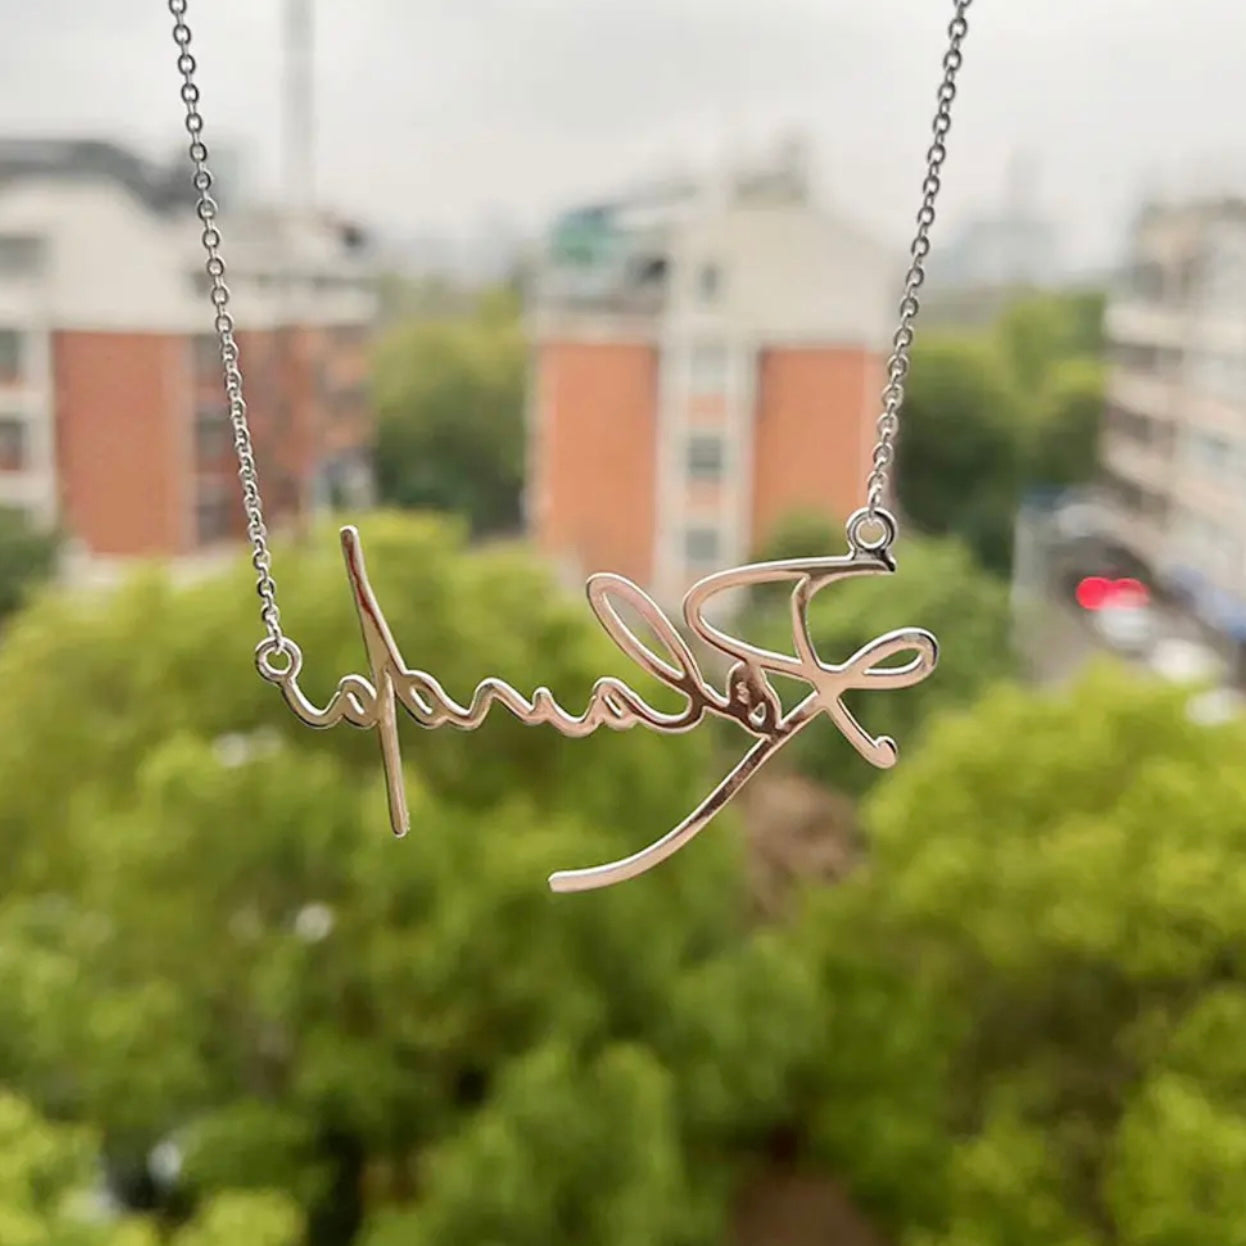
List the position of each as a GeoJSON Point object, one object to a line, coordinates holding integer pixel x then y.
{"type": "Point", "coordinates": [1145, 393]}
{"type": "Point", "coordinates": [594, 267]}
{"type": "Point", "coordinates": [616, 289]}
{"type": "Point", "coordinates": [1151, 324]}
{"type": "Point", "coordinates": [1150, 467]}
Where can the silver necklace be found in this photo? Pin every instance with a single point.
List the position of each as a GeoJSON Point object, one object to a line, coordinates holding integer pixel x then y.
{"type": "Point", "coordinates": [747, 696]}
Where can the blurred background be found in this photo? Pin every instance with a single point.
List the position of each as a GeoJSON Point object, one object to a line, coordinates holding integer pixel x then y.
{"type": "Point", "coordinates": [528, 291]}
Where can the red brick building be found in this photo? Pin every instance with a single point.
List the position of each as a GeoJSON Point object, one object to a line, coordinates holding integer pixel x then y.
{"type": "Point", "coordinates": [113, 421]}
{"type": "Point", "coordinates": [704, 362]}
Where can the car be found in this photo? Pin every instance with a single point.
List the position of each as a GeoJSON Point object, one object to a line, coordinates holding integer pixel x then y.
{"type": "Point", "coordinates": [1186, 662]}
{"type": "Point", "coordinates": [1128, 629]}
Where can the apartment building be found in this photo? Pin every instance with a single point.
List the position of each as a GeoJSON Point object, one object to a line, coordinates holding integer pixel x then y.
{"type": "Point", "coordinates": [113, 422]}
{"type": "Point", "coordinates": [1173, 452]}
{"type": "Point", "coordinates": [706, 359]}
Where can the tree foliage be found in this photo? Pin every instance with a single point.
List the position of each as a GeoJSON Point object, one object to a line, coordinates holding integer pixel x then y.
{"type": "Point", "coordinates": [449, 392]}
{"type": "Point", "coordinates": [959, 463]}
{"type": "Point", "coordinates": [1046, 953]}
{"type": "Point", "coordinates": [51, 1172]}
{"type": "Point", "coordinates": [208, 934]}
{"type": "Point", "coordinates": [27, 559]}
{"type": "Point", "coordinates": [1064, 435]}
{"type": "Point", "coordinates": [988, 415]}
{"type": "Point", "coordinates": [799, 534]}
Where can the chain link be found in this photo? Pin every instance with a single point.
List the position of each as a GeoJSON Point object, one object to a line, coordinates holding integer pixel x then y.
{"type": "Point", "coordinates": [873, 516]}
{"type": "Point", "coordinates": [277, 652]}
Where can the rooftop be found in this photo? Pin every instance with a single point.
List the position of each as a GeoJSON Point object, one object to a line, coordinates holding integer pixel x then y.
{"type": "Point", "coordinates": [163, 188]}
{"type": "Point", "coordinates": [616, 252]}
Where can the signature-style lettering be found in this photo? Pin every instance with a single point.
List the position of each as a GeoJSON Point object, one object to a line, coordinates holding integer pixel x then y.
{"type": "Point", "coordinates": [746, 698]}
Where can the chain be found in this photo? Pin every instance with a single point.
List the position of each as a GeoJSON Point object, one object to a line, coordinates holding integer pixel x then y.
{"type": "Point", "coordinates": [277, 654]}
{"type": "Point", "coordinates": [873, 515]}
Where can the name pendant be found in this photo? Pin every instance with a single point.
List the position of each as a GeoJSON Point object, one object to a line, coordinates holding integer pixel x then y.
{"type": "Point", "coordinates": [747, 697]}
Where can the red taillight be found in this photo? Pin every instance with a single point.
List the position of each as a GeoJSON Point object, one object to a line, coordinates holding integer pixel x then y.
{"type": "Point", "coordinates": [1130, 593]}
{"type": "Point", "coordinates": [1097, 592]}
{"type": "Point", "coordinates": [1093, 592]}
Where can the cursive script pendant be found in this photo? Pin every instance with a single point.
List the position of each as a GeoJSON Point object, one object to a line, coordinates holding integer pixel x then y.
{"type": "Point", "coordinates": [747, 698]}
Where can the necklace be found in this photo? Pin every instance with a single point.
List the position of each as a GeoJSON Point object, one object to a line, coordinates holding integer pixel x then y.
{"type": "Point", "coordinates": [747, 697]}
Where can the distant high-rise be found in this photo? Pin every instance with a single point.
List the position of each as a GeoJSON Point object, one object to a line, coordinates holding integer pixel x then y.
{"type": "Point", "coordinates": [113, 423]}
{"type": "Point", "coordinates": [1173, 453]}
{"type": "Point", "coordinates": [1014, 246]}
{"type": "Point", "coordinates": [704, 362]}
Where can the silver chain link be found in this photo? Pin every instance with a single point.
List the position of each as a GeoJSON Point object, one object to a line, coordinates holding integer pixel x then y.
{"type": "Point", "coordinates": [277, 651]}
{"type": "Point", "coordinates": [873, 515]}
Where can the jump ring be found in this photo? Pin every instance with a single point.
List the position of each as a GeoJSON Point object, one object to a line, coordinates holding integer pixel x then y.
{"type": "Point", "coordinates": [879, 519]}
{"type": "Point", "coordinates": [278, 661]}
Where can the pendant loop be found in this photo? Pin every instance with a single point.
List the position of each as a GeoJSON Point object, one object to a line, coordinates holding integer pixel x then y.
{"type": "Point", "coordinates": [879, 519]}
{"type": "Point", "coordinates": [278, 660]}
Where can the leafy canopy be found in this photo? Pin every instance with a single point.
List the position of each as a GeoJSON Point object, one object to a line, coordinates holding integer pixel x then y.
{"type": "Point", "coordinates": [1036, 991]}
{"type": "Point", "coordinates": [989, 414]}
{"type": "Point", "coordinates": [207, 933]}
{"type": "Point", "coordinates": [449, 395]}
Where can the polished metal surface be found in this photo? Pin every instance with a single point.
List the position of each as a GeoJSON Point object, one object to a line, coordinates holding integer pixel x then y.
{"type": "Point", "coordinates": [747, 697]}
{"type": "Point", "coordinates": [223, 323]}
{"type": "Point", "coordinates": [902, 343]}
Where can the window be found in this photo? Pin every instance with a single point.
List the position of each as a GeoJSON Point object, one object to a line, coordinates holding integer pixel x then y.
{"type": "Point", "coordinates": [708, 369]}
{"type": "Point", "coordinates": [213, 517]}
{"type": "Point", "coordinates": [705, 456]}
{"type": "Point", "coordinates": [12, 443]}
{"type": "Point", "coordinates": [1134, 426]}
{"type": "Point", "coordinates": [1220, 376]}
{"type": "Point", "coordinates": [1223, 270]}
{"type": "Point", "coordinates": [207, 352]}
{"type": "Point", "coordinates": [1145, 281]}
{"type": "Point", "coordinates": [350, 401]}
{"type": "Point", "coordinates": [20, 256]}
{"type": "Point", "coordinates": [709, 283]}
{"type": "Point", "coordinates": [701, 547]}
{"type": "Point", "coordinates": [1163, 362]}
{"type": "Point", "coordinates": [213, 434]}
{"type": "Point", "coordinates": [1207, 545]}
{"type": "Point", "coordinates": [10, 356]}
{"type": "Point", "coordinates": [1209, 452]}
{"type": "Point", "coordinates": [352, 336]}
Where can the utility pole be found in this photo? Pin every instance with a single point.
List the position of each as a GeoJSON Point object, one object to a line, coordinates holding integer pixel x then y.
{"type": "Point", "coordinates": [299, 177]}
{"type": "Point", "coordinates": [300, 104]}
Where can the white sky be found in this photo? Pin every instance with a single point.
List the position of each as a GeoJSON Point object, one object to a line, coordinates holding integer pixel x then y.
{"type": "Point", "coordinates": [435, 114]}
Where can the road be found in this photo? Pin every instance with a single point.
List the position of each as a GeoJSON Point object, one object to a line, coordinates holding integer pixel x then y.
{"type": "Point", "coordinates": [1059, 640]}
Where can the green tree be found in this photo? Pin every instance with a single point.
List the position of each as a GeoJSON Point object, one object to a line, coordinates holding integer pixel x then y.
{"type": "Point", "coordinates": [449, 394]}
{"type": "Point", "coordinates": [939, 588]}
{"type": "Point", "coordinates": [1048, 950]}
{"type": "Point", "coordinates": [208, 934]}
{"type": "Point", "coordinates": [27, 559]}
{"type": "Point", "coordinates": [1038, 332]}
{"type": "Point", "coordinates": [49, 1175]}
{"type": "Point", "coordinates": [960, 453]}
{"type": "Point", "coordinates": [1086, 316]}
{"type": "Point", "coordinates": [799, 534]}
{"type": "Point", "coordinates": [1064, 433]}
{"type": "Point", "coordinates": [990, 414]}
{"type": "Point", "coordinates": [536, 1166]}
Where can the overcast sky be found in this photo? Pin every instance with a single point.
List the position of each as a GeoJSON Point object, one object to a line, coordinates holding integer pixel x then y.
{"type": "Point", "coordinates": [435, 114]}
